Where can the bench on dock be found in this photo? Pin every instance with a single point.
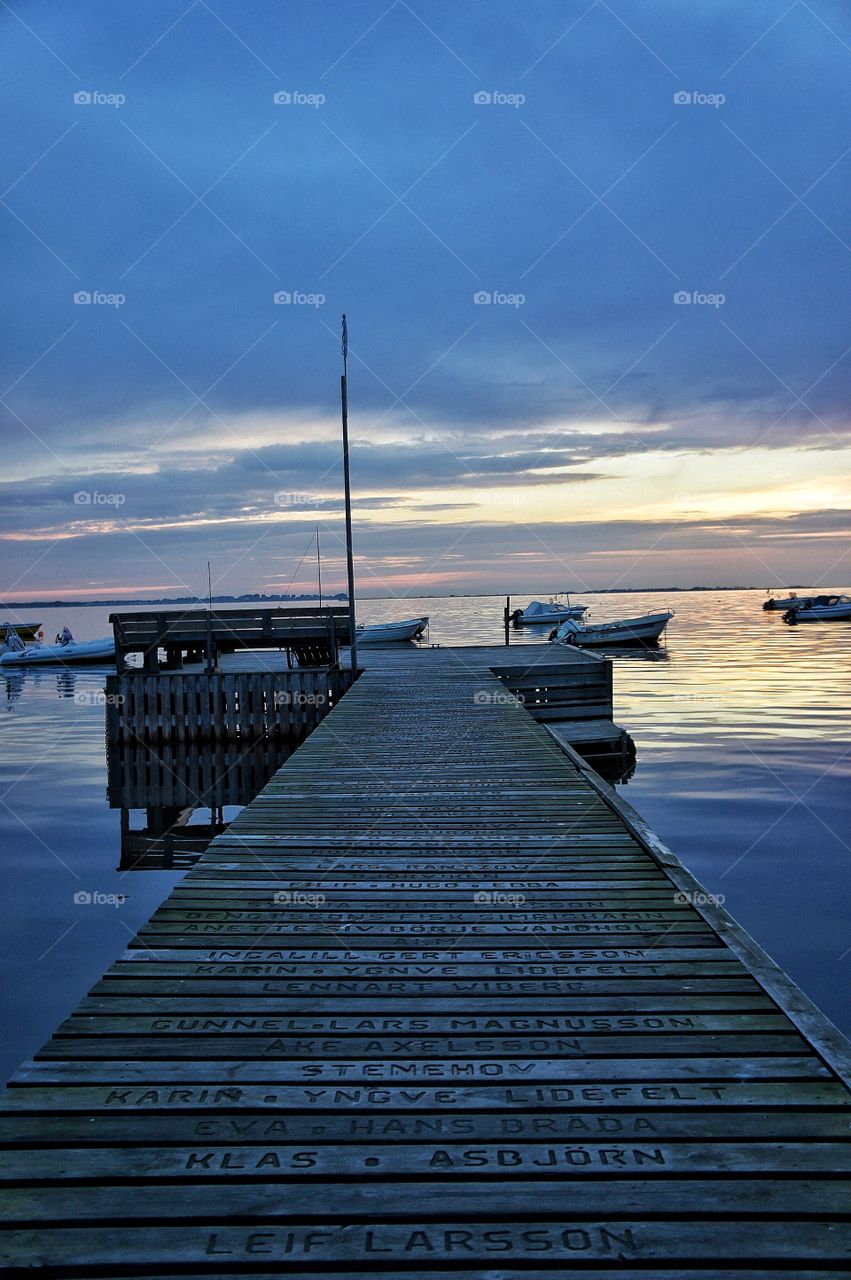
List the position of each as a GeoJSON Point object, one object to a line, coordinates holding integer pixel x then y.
{"type": "Point", "coordinates": [311, 635]}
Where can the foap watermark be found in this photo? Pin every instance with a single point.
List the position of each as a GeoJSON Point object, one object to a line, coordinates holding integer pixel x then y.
{"type": "Point", "coordinates": [694, 98]}
{"type": "Point", "coordinates": [98, 698]}
{"type": "Point", "coordinates": [496, 898]}
{"type": "Point", "coordinates": [686, 898]}
{"type": "Point", "coordinates": [297, 898]}
{"type": "Point", "coordinates": [496, 98]}
{"type": "Point", "coordinates": [94, 98]}
{"type": "Point", "coordinates": [497, 698]}
{"type": "Point", "coordinates": [95, 898]}
{"type": "Point", "coordinates": [293, 498]}
{"type": "Point", "coordinates": [694, 298]}
{"type": "Point", "coordinates": [298, 698]}
{"type": "Point", "coordinates": [296, 98]}
{"type": "Point", "coordinates": [94, 498]}
{"type": "Point", "coordinates": [97, 298]}
{"type": "Point", "coordinates": [500, 498]}
{"type": "Point", "coordinates": [701, 700]}
{"type": "Point", "coordinates": [496, 298]}
{"type": "Point", "coordinates": [295, 298]}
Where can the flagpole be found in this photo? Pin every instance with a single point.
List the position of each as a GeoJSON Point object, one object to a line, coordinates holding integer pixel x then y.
{"type": "Point", "coordinates": [350, 564]}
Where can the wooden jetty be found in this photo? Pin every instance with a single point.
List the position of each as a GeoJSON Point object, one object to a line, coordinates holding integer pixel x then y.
{"type": "Point", "coordinates": [436, 1004]}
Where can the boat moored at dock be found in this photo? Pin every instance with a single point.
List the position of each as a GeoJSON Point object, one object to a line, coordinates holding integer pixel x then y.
{"type": "Point", "coordinates": [538, 613]}
{"type": "Point", "coordinates": [391, 632]}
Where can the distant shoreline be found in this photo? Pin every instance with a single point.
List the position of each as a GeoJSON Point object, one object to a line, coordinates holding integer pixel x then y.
{"type": "Point", "coordinates": [341, 596]}
{"type": "Point", "coordinates": [202, 600]}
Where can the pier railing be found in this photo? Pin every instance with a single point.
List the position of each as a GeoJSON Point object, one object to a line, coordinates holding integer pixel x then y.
{"type": "Point", "coordinates": [187, 706]}
{"type": "Point", "coordinates": [310, 634]}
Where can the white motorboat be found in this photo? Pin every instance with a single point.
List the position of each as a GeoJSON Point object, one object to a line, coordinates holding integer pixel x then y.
{"type": "Point", "coordinates": [390, 632]}
{"type": "Point", "coordinates": [537, 613]}
{"type": "Point", "coordinates": [792, 601]}
{"type": "Point", "coordinates": [66, 650]}
{"type": "Point", "coordinates": [644, 630]}
{"type": "Point", "coordinates": [833, 608]}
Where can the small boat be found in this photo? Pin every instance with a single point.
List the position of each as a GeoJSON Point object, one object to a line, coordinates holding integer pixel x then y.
{"type": "Point", "coordinates": [66, 650]}
{"type": "Point", "coordinates": [538, 613]}
{"type": "Point", "coordinates": [643, 630]}
{"type": "Point", "coordinates": [389, 632]}
{"type": "Point", "coordinates": [792, 601]}
{"type": "Point", "coordinates": [27, 631]}
{"type": "Point", "coordinates": [820, 609]}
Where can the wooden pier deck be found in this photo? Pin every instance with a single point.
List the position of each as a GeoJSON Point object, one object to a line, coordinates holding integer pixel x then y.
{"type": "Point", "coordinates": [435, 1005]}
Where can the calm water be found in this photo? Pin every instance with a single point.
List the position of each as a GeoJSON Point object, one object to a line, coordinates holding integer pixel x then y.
{"type": "Point", "coordinates": [744, 755]}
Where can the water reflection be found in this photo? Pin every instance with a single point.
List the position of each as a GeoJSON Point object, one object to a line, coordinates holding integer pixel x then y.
{"type": "Point", "coordinates": [13, 687]}
{"type": "Point", "coordinates": [66, 683]}
{"type": "Point", "coordinates": [174, 799]}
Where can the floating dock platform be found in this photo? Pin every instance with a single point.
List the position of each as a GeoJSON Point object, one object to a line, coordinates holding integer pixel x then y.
{"type": "Point", "coordinates": [436, 1004]}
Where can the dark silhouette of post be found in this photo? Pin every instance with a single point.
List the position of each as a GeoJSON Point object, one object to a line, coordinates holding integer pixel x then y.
{"type": "Point", "coordinates": [350, 564]}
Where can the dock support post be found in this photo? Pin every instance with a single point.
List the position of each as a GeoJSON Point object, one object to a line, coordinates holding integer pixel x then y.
{"type": "Point", "coordinates": [506, 619]}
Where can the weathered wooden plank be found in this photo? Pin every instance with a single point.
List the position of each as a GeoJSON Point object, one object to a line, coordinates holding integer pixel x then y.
{"type": "Point", "coordinates": [441, 991]}
{"type": "Point", "coordinates": [163, 1070]}
{"type": "Point", "coordinates": [134, 1129]}
{"type": "Point", "coordinates": [716, 958]}
{"type": "Point", "coordinates": [265, 1004]}
{"type": "Point", "coordinates": [158, 1095]}
{"type": "Point", "coordinates": [223, 1022]}
{"type": "Point", "coordinates": [370, 1200]}
{"type": "Point", "coordinates": [389, 1047]}
{"type": "Point", "coordinates": [456, 1239]}
{"type": "Point", "coordinates": [440, 1158]}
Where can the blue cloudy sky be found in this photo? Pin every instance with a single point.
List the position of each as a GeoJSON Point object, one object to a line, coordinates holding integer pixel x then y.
{"type": "Point", "coordinates": [595, 256]}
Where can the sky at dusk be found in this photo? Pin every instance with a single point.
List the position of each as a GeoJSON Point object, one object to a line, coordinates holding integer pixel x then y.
{"type": "Point", "coordinates": [595, 258]}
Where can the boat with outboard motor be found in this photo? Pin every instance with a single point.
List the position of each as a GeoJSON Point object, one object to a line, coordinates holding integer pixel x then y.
{"type": "Point", "coordinates": [646, 630]}
{"type": "Point", "coordinates": [832, 608]}
{"type": "Point", "coordinates": [792, 601]}
{"type": "Point", "coordinates": [538, 614]}
{"type": "Point", "coordinates": [65, 650]}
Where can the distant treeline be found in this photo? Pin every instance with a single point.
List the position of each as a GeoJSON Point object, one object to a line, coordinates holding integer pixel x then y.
{"type": "Point", "coordinates": [248, 599]}
{"type": "Point", "coordinates": [341, 595]}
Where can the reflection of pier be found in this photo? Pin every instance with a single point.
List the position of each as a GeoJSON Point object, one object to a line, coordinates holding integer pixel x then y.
{"type": "Point", "coordinates": [180, 743]}
{"type": "Point", "coordinates": [174, 784]}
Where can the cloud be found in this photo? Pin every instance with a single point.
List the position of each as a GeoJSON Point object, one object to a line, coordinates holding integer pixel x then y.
{"type": "Point", "coordinates": [399, 199]}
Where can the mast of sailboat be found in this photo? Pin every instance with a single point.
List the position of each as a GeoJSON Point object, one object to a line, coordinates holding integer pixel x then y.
{"type": "Point", "coordinates": [318, 566]}
{"type": "Point", "coordinates": [350, 564]}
